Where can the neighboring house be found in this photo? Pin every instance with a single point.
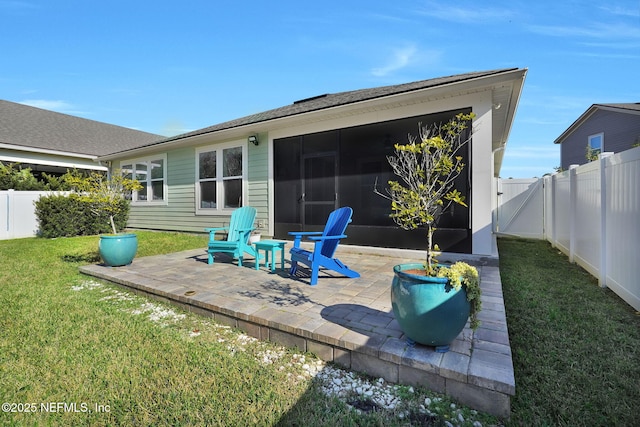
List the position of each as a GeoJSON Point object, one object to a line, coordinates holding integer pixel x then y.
{"type": "Point", "coordinates": [51, 142]}
{"type": "Point", "coordinates": [602, 128]}
{"type": "Point", "coordinates": [297, 163]}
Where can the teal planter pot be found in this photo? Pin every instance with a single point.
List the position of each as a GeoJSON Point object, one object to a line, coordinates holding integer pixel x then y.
{"type": "Point", "coordinates": [119, 249]}
{"type": "Point", "coordinates": [428, 309]}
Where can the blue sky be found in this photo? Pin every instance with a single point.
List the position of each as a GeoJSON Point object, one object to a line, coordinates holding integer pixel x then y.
{"type": "Point", "coordinates": [171, 67]}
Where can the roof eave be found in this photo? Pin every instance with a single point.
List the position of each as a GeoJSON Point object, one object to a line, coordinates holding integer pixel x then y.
{"type": "Point", "coordinates": [46, 151]}
{"type": "Point", "coordinates": [434, 92]}
{"type": "Point", "coordinates": [501, 135]}
{"type": "Point", "coordinates": [576, 124]}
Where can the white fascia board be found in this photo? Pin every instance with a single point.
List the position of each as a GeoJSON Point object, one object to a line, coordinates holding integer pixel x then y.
{"type": "Point", "coordinates": [45, 151]}
{"type": "Point", "coordinates": [50, 160]}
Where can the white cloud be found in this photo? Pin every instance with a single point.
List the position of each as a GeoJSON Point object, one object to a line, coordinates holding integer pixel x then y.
{"type": "Point", "coordinates": [466, 14]}
{"type": "Point", "coordinates": [47, 104]}
{"type": "Point", "coordinates": [619, 10]}
{"type": "Point", "coordinates": [174, 127]}
{"type": "Point", "coordinates": [53, 105]}
{"type": "Point", "coordinates": [17, 5]}
{"type": "Point", "coordinates": [523, 171]}
{"type": "Point", "coordinates": [401, 58]}
{"type": "Point", "coordinates": [595, 31]}
{"type": "Point", "coordinates": [550, 151]}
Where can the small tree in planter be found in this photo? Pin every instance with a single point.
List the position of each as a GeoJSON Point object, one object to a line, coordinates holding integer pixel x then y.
{"type": "Point", "coordinates": [428, 167]}
{"type": "Point", "coordinates": [107, 195]}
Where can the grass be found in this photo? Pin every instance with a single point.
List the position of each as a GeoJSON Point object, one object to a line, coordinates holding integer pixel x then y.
{"type": "Point", "coordinates": [74, 351]}
{"type": "Point", "coordinates": [115, 358]}
{"type": "Point", "coordinates": [576, 346]}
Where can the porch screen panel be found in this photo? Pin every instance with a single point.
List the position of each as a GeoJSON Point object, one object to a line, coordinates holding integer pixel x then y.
{"type": "Point", "coordinates": [319, 188]}
{"type": "Point", "coordinates": [287, 186]}
{"type": "Point", "coordinates": [361, 166]}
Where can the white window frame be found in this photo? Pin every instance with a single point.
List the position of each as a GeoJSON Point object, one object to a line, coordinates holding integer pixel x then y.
{"type": "Point", "coordinates": [219, 148]}
{"type": "Point", "coordinates": [594, 136]}
{"type": "Point", "coordinates": [135, 201]}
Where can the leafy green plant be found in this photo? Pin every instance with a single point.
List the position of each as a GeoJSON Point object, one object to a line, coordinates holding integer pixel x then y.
{"type": "Point", "coordinates": [105, 194]}
{"type": "Point", "coordinates": [428, 166]}
{"type": "Point", "coordinates": [592, 154]}
{"type": "Point", "coordinates": [14, 176]}
{"type": "Point", "coordinates": [460, 274]}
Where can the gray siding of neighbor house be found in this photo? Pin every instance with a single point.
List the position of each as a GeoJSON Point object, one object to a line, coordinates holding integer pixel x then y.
{"type": "Point", "coordinates": [179, 213]}
{"type": "Point", "coordinates": [621, 132]}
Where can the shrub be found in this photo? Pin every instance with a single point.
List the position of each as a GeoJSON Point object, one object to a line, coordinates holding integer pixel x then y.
{"type": "Point", "coordinates": [76, 215]}
{"type": "Point", "coordinates": [107, 197]}
{"type": "Point", "coordinates": [13, 177]}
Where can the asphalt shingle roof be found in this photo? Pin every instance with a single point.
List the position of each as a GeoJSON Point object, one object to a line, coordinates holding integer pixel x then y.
{"type": "Point", "coordinates": [336, 99]}
{"type": "Point", "coordinates": [635, 106]}
{"type": "Point", "coordinates": [26, 126]}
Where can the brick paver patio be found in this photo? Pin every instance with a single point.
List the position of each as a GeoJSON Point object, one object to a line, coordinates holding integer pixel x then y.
{"type": "Point", "coordinates": [346, 321]}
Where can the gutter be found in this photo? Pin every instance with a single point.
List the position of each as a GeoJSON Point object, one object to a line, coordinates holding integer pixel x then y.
{"type": "Point", "coordinates": [45, 151]}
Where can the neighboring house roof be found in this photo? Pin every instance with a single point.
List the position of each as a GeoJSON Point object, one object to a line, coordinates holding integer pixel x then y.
{"type": "Point", "coordinates": [332, 100]}
{"type": "Point", "coordinates": [626, 108]}
{"type": "Point", "coordinates": [26, 128]}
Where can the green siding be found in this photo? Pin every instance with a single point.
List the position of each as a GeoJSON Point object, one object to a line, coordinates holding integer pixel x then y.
{"type": "Point", "coordinates": [179, 214]}
{"type": "Point", "coordinates": [258, 174]}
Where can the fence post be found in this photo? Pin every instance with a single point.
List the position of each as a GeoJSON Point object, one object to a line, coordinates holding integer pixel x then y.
{"type": "Point", "coordinates": [547, 183]}
{"type": "Point", "coordinates": [554, 233]}
{"type": "Point", "coordinates": [11, 196]}
{"type": "Point", "coordinates": [573, 203]}
{"type": "Point", "coordinates": [604, 262]}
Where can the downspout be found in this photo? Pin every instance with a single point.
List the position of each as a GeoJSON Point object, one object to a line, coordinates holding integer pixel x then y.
{"type": "Point", "coordinates": [108, 166]}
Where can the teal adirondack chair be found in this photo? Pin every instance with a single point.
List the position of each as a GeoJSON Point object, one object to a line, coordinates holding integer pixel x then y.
{"type": "Point", "coordinates": [325, 244]}
{"type": "Point", "coordinates": [238, 232]}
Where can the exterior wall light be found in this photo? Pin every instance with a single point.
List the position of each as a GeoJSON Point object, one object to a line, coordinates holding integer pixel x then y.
{"type": "Point", "coordinates": [253, 139]}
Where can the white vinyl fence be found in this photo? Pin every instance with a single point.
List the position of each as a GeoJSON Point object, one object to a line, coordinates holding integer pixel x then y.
{"type": "Point", "coordinates": [590, 212]}
{"type": "Point", "coordinates": [521, 209]}
{"type": "Point", "coordinates": [17, 213]}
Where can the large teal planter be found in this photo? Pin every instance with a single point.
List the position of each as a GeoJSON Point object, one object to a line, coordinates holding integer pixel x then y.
{"type": "Point", "coordinates": [428, 309]}
{"type": "Point", "coordinates": [119, 249]}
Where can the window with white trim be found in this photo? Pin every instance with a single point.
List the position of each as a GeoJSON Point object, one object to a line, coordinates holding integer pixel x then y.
{"type": "Point", "coordinates": [596, 143]}
{"type": "Point", "coordinates": [151, 173]}
{"type": "Point", "coordinates": [220, 177]}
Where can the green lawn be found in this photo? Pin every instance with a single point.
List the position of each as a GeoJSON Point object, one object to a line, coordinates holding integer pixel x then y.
{"type": "Point", "coordinates": [576, 346]}
{"type": "Point", "coordinates": [80, 352]}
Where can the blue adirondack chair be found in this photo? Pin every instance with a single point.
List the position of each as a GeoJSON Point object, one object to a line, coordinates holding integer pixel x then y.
{"type": "Point", "coordinates": [238, 232]}
{"type": "Point", "coordinates": [325, 244]}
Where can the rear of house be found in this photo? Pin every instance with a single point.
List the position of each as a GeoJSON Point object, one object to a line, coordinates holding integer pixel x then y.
{"type": "Point", "coordinates": [297, 163]}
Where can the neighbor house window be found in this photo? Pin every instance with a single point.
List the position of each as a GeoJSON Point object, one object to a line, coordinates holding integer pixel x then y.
{"type": "Point", "coordinates": [220, 179]}
{"type": "Point", "coordinates": [596, 143]}
{"type": "Point", "coordinates": [151, 173]}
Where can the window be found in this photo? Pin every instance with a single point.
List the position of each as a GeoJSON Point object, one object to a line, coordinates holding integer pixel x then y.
{"type": "Point", "coordinates": [596, 143]}
{"type": "Point", "coordinates": [220, 179]}
{"type": "Point", "coordinates": [151, 173]}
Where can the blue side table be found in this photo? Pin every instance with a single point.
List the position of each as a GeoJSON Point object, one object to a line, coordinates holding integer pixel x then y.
{"type": "Point", "coordinates": [273, 247]}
